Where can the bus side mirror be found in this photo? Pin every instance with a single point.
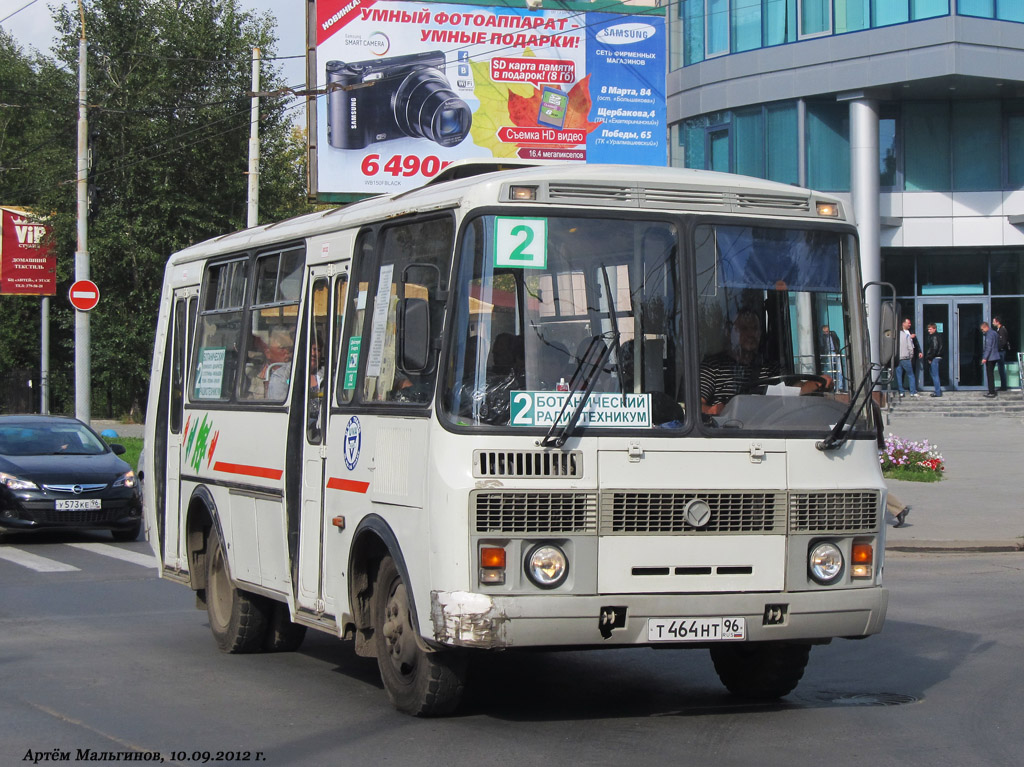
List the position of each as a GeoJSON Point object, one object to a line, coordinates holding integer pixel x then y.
{"type": "Point", "coordinates": [413, 335]}
{"type": "Point", "coordinates": [888, 332]}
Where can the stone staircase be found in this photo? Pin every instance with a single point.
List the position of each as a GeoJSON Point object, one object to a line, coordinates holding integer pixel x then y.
{"type": "Point", "coordinates": [957, 404]}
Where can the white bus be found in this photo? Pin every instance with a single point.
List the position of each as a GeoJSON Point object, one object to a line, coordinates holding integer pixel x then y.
{"type": "Point", "coordinates": [539, 407]}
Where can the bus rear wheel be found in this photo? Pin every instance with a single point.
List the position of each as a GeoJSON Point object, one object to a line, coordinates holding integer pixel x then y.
{"type": "Point", "coordinates": [238, 619]}
{"type": "Point", "coordinates": [763, 670]}
{"type": "Point", "coordinates": [416, 682]}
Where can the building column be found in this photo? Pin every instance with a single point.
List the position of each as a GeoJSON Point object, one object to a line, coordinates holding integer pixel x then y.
{"type": "Point", "coordinates": [864, 191]}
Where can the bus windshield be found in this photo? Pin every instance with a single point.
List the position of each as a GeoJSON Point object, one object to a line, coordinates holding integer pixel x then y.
{"type": "Point", "coordinates": [549, 308]}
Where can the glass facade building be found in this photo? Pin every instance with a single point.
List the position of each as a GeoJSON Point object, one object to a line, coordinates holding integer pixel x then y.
{"type": "Point", "coordinates": [913, 110]}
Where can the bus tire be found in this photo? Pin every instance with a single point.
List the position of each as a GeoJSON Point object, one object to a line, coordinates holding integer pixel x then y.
{"type": "Point", "coordinates": [763, 670]}
{"type": "Point", "coordinates": [282, 634]}
{"type": "Point", "coordinates": [238, 619]}
{"type": "Point", "coordinates": [416, 682]}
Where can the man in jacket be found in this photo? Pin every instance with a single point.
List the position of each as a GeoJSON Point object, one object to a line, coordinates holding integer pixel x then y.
{"type": "Point", "coordinates": [990, 356]}
{"type": "Point", "coordinates": [910, 353]}
{"type": "Point", "coordinates": [1004, 350]}
{"type": "Point", "coordinates": [933, 355]}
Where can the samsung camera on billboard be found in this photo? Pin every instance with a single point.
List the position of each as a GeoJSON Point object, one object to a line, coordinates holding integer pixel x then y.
{"type": "Point", "coordinates": [393, 98]}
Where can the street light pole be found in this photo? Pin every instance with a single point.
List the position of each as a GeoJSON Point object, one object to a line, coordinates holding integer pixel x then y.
{"type": "Point", "coordinates": [252, 218]}
{"type": "Point", "coordinates": [83, 361]}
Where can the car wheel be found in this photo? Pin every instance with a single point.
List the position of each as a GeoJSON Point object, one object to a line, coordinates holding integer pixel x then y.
{"type": "Point", "coordinates": [416, 682]}
{"type": "Point", "coordinates": [764, 670]}
{"type": "Point", "coordinates": [126, 536]}
{"type": "Point", "coordinates": [238, 619]}
{"type": "Point", "coordinates": [282, 634]}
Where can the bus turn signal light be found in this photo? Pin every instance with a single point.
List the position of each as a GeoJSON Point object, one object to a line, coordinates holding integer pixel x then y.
{"type": "Point", "coordinates": [492, 565]}
{"type": "Point", "coordinates": [863, 558]}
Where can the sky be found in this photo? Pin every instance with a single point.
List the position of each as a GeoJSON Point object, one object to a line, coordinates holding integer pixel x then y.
{"type": "Point", "coordinates": [32, 27]}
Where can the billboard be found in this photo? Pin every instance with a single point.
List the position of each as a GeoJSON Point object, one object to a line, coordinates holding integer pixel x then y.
{"type": "Point", "coordinates": [412, 87]}
{"type": "Point", "coordinates": [28, 265]}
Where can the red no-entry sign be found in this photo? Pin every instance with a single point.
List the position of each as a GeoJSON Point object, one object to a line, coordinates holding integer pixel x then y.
{"type": "Point", "coordinates": [84, 295]}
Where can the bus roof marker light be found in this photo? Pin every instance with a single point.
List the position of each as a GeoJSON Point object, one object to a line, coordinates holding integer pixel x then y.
{"type": "Point", "coordinates": [829, 209]}
{"type": "Point", "coordinates": [523, 193]}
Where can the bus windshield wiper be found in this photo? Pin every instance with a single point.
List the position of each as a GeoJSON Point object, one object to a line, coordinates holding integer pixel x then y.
{"type": "Point", "coordinates": [614, 331]}
{"type": "Point", "coordinates": [839, 434]}
{"type": "Point", "coordinates": [580, 381]}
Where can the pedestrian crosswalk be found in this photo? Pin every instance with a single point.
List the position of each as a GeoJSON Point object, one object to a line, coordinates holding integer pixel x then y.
{"type": "Point", "coordinates": [49, 564]}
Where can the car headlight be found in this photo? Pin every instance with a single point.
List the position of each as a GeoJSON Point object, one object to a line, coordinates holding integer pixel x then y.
{"type": "Point", "coordinates": [825, 562]}
{"type": "Point", "coordinates": [16, 483]}
{"type": "Point", "coordinates": [547, 566]}
{"type": "Point", "coordinates": [125, 480]}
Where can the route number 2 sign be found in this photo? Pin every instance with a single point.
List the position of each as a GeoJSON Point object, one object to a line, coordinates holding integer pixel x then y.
{"type": "Point", "coordinates": [520, 243]}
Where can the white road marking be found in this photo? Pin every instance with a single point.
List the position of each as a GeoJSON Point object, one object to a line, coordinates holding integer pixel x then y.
{"type": "Point", "coordinates": [34, 561]}
{"type": "Point", "coordinates": [116, 552]}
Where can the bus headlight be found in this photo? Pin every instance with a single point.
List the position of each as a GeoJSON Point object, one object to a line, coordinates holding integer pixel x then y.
{"type": "Point", "coordinates": [825, 562]}
{"type": "Point", "coordinates": [547, 566]}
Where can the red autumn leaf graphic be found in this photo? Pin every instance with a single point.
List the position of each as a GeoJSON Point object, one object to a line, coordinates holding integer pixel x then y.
{"type": "Point", "coordinates": [523, 111]}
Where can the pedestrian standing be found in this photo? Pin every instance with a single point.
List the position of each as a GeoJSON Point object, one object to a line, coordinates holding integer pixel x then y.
{"type": "Point", "coordinates": [933, 356]}
{"type": "Point", "coordinates": [1004, 351]}
{"type": "Point", "coordinates": [990, 356]}
{"type": "Point", "coordinates": [833, 361]}
{"type": "Point", "coordinates": [910, 353]}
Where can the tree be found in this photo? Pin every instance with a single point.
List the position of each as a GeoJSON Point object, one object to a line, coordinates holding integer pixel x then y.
{"type": "Point", "coordinates": [169, 120]}
{"type": "Point", "coordinates": [37, 125]}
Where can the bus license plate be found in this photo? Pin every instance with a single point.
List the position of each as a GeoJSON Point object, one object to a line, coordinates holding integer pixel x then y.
{"type": "Point", "coordinates": [696, 629]}
{"type": "Point", "coordinates": [77, 504]}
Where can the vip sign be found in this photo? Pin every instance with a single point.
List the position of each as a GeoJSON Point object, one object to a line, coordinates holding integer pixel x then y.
{"type": "Point", "coordinates": [28, 266]}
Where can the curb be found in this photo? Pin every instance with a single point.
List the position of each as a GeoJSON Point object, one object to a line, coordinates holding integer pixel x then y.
{"type": "Point", "coordinates": [956, 547]}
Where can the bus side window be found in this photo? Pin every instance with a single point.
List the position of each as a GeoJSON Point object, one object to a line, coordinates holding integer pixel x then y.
{"type": "Point", "coordinates": [219, 332]}
{"type": "Point", "coordinates": [421, 250]}
{"type": "Point", "coordinates": [270, 347]}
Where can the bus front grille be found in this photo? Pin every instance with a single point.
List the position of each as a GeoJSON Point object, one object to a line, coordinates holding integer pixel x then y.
{"type": "Point", "coordinates": [527, 463]}
{"type": "Point", "coordinates": [531, 512]}
{"type": "Point", "coordinates": [633, 513]}
{"type": "Point", "coordinates": [833, 512]}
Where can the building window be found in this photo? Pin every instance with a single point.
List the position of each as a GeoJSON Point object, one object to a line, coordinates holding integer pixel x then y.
{"type": "Point", "coordinates": [779, 21]}
{"type": "Point", "coordinates": [926, 127]}
{"type": "Point", "coordinates": [718, 27]}
{"type": "Point", "coordinates": [745, 18]}
{"type": "Point", "coordinates": [1015, 146]}
{"type": "Point", "coordinates": [852, 15]}
{"type": "Point", "coordinates": [976, 146]}
{"type": "Point", "coordinates": [718, 149]}
{"type": "Point", "coordinates": [828, 147]}
{"type": "Point", "coordinates": [692, 12]}
{"type": "Point", "coordinates": [890, 12]}
{"type": "Point", "coordinates": [888, 151]}
{"type": "Point", "coordinates": [1004, 10]}
{"type": "Point", "coordinates": [782, 146]}
{"type": "Point", "coordinates": [748, 126]}
{"type": "Point", "coordinates": [815, 17]}
{"type": "Point", "coordinates": [927, 9]}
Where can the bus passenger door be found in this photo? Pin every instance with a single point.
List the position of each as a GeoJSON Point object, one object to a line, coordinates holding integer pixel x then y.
{"type": "Point", "coordinates": [181, 328]}
{"type": "Point", "coordinates": [312, 524]}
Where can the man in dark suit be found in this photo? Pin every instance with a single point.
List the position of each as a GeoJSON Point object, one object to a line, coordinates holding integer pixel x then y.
{"type": "Point", "coordinates": [990, 355]}
{"type": "Point", "coordinates": [831, 355]}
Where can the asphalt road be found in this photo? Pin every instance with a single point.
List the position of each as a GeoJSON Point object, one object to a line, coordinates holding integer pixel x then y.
{"type": "Point", "coordinates": [105, 657]}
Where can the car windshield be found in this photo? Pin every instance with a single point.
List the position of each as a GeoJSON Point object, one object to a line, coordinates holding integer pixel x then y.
{"type": "Point", "coordinates": [550, 307]}
{"type": "Point", "coordinates": [56, 438]}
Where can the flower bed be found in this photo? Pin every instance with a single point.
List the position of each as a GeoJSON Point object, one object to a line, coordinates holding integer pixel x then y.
{"type": "Point", "coordinates": [909, 460]}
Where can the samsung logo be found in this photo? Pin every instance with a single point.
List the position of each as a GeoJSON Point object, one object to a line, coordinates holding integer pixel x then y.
{"type": "Point", "coordinates": [625, 34]}
{"type": "Point", "coordinates": [353, 114]}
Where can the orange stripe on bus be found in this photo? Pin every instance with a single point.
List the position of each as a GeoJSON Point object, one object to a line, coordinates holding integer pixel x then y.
{"type": "Point", "coordinates": [248, 471]}
{"type": "Point", "coordinates": [349, 485]}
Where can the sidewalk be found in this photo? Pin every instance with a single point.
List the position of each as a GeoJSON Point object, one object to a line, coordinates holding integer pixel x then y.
{"type": "Point", "coordinates": [977, 506]}
{"type": "Point", "coordinates": [122, 429]}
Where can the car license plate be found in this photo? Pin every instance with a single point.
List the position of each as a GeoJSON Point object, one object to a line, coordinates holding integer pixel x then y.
{"type": "Point", "coordinates": [696, 629]}
{"type": "Point", "coordinates": [77, 504]}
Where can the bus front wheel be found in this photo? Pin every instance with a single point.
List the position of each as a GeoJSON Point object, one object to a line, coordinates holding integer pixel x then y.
{"type": "Point", "coordinates": [764, 670]}
{"type": "Point", "coordinates": [238, 619]}
{"type": "Point", "coordinates": [417, 682]}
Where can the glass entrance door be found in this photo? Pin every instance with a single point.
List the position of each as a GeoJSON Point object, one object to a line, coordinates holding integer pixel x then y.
{"type": "Point", "coordinates": [938, 312]}
{"type": "Point", "coordinates": [958, 322]}
{"type": "Point", "coordinates": [969, 314]}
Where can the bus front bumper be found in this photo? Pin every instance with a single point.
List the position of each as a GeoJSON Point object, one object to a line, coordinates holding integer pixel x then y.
{"type": "Point", "coordinates": [465, 619]}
